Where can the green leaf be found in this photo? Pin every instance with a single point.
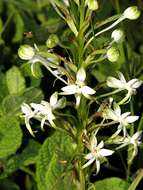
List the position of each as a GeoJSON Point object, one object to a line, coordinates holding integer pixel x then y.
{"type": "Point", "coordinates": [19, 28]}
{"type": "Point", "coordinates": [49, 168]}
{"type": "Point", "coordinates": [26, 157]}
{"type": "Point", "coordinates": [15, 81]}
{"type": "Point", "coordinates": [10, 136]}
{"type": "Point", "coordinates": [112, 183]}
{"type": "Point", "coordinates": [3, 87]}
{"type": "Point", "coordinates": [33, 95]}
{"type": "Point", "coordinates": [11, 104]}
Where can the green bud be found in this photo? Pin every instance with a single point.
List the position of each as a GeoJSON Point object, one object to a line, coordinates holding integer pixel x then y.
{"type": "Point", "coordinates": [52, 41]}
{"type": "Point", "coordinates": [118, 35]}
{"type": "Point", "coordinates": [132, 13]}
{"type": "Point", "coordinates": [26, 52]}
{"type": "Point", "coordinates": [92, 4]}
{"type": "Point", "coordinates": [113, 54]}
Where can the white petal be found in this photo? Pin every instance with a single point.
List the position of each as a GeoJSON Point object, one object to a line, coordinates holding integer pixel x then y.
{"type": "Point", "coordinates": [105, 152]}
{"type": "Point", "coordinates": [28, 126]}
{"type": "Point", "coordinates": [81, 75]}
{"type": "Point", "coordinates": [37, 107]}
{"type": "Point", "coordinates": [78, 97]}
{"type": "Point", "coordinates": [97, 166]}
{"type": "Point", "coordinates": [124, 115]}
{"type": "Point", "coordinates": [101, 144]}
{"type": "Point", "coordinates": [111, 115]}
{"type": "Point", "coordinates": [85, 90]}
{"type": "Point", "coordinates": [134, 83]}
{"type": "Point", "coordinates": [121, 77]}
{"type": "Point", "coordinates": [43, 122]}
{"type": "Point", "coordinates": [71, 89]}
{"type": "Point", "coordinates": [137, 84]}
{"type": "Point", "coordinates": [115, 83]}
{"type": "Point", "coordinates": [88, 163]}
{"type": "Point", "coordinates": [137, 135]}
{"type": "Point", "coordinates": [89, 156]}
{"type": "Point", "coordinates": [131, 119]}
{"type": "Point", "coordinates": [26, 109]}
{"type": "Point", "coordinates": [117, 109]}
{"type": "Point", "coordinates": [93, 142]}
{"type": "Point", "coordinates": [54, 99]}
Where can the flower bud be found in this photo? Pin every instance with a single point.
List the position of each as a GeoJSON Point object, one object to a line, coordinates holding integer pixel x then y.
{"type": "Point", "coordinates": [26, 52]}
{"type": "Point", "coordinates": [81, 75]}
{"type": "Point", "coordinates": [132, 13]}
{"type": "Point", "coordinates": [54, 99]}
{"type": "Point", "coordinates": [52, 41]}
{"type": "Point", "coordinates": [92, 4]}
{"type": "Point", "coordinates": [112, 54]}
{"type": "Point", "coordinates": [66, 3]}
{"type": "Point", "coordinates": [118, 35]}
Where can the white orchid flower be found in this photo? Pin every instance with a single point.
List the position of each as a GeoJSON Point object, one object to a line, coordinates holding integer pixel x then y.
{"type": "Point", "coordinates": [28, 114]}
{"type": "Point", "coordinates": [123, 119]}
{"type": "Point", "coordinates": [43, 111]}
{"type": "Point", "coordinates": [79, 88]}
{"type": "Point", "coordinates": [134, 140]}
{"type": "Point", "coordinates": [97, 152]}
{"type": "Point", "coordinates": [122, 84]}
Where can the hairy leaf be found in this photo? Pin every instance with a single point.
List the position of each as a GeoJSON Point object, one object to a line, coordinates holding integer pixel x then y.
{"type": "Point", "coordinates": [15, 81]}
{"type": "Point", "coordinates": [11, 104]}
{"type": "Point", "coordinates": [50, 169]}
{"type": "Point", "coordinates": [112, 183]}
{"type": "Point", "coordinates": [27, 157]}
{"type": "Point", "coordinates": [10, 136]}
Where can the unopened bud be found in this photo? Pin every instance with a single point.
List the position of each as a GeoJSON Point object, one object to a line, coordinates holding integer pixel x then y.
{"type": "Point", "coordinates": [132, 13]}
{"type": "Point", "coordinates": [92, 4]}
{"type": "Point", "coordinates": [81, 75]}
{"type": "Point", "coordinates": [26, 52]}
{"type": "Point", "coordinates": [52, 41]}
{"type": "Point", "coordinates": [113, 54]}
{"type": "Point", "coordinates": [118, 35]}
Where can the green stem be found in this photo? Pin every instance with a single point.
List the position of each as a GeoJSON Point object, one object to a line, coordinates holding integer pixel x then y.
{"type": "Point", "coordinates": [108, 94]}
{"type": "Point", "coordinates": [104, 30]}
{"type": "Point", "coordinates": [137, 180]}
{"type": "Point", "coordinates": [45, 63]}
{"type": "Point", "coordinates": [28, 171]}
{"type": "Point", "coordinates": [140, 126]}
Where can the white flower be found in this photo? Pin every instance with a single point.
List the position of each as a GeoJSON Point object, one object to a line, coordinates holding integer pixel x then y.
{"type": "Point", "coordinates": [134, 140]}
{"type": "Point", "coordinates": [79, 88]}
{"type": "Point", "coordinates": [123, 119]}
{"type": "Point", "coordinates": [97, 152]}
{"type": "Point", "coordinates": [28, 114]}
{"type": "Point", "coordinates": [43, 111]}
{"type": "Point", "coordinates": [122, 84]}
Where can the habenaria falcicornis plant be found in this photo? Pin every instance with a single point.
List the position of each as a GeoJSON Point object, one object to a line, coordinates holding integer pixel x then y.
{"type": "Point", "coordinates": [88, 113]}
